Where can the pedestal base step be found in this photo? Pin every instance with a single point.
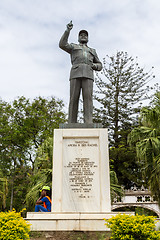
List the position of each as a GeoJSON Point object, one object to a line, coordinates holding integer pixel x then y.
{"type": "Point", "coordinates": [69, 221]}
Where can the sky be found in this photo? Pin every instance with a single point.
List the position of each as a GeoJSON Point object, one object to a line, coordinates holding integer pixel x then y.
{"type": "Point", "coordinates": [31, 62]}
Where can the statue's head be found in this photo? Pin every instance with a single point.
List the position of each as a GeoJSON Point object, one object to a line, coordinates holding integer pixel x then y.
{"type": "Point", "coordinates": [83, 36]}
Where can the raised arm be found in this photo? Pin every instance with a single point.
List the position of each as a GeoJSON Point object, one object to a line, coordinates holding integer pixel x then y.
{"type": "Point", "coordinates": [63, 43]}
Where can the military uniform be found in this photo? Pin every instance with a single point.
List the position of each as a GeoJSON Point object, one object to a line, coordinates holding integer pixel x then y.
{"type": "Point", "coordinates": [84, 60]}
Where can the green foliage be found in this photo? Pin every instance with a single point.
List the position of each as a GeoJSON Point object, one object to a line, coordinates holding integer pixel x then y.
{"type": "Point", "coordinates": [126, 166]}
{"type": "Point", "coordinates": [115, 189]}
{"type": "Point", "coordinates": [137, 210]}
{"type": "Point", "coordinates": [20, 186]}
{"type": "Point", "coordinates": [146, 138]}
{"type": "Point", "coordinates": [121, 89]}
{"type": "Point", "coordinates": [44, 156]}
{"type": "Point", "coordinates": [33, 194]}
{"type": "Point", "coordinates": [24, 126]}
{"type": "Point", "coordinates": [132, 227]}
{"type": "Point", "coordinates": [13, 226]}
{"type": "Point", "coordinates": [42, 172]}
{"type": "Point", "coordinates": [144, 211]}
{"type": "Point", "coordinates": [3, 191]}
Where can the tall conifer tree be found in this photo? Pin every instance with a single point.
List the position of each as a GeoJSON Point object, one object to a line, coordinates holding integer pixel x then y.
{"type": "Point", "coordinates": [121, 90]}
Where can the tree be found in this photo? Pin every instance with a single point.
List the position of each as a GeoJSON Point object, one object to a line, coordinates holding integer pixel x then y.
{"type": "Point", "coordinates": [42, 172]}
{"type": "Point", "coordinates": [127, 168]}
{"type": "Point", "coordinates": [120, 94]}
{"type": "Point", "coordinates": [115, 189]}
{"type": "Point", "coordinates": [146, 137]}
{"type": "Point", "coordinates": [3, 191]}
{"type": "Point", "coordinates": [24, 126]}
{"type": "Point", "coordinates": [121, 89]}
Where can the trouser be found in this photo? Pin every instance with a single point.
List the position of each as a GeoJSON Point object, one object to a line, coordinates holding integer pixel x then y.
{"type": "Point", "coordinates": [87, 93]}
{"type": "Point", "coordinates": [40, 208]}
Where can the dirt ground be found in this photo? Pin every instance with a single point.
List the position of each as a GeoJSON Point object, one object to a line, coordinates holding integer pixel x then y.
{"type": "Point", "coordinates": [70, 235]}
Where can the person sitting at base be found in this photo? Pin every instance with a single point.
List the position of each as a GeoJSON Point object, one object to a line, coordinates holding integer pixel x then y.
{"type": "Point", "coordinates": [43, 204]}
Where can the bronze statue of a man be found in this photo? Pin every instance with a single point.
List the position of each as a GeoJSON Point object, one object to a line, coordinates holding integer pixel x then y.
{"type": "Point", "coordinates": [84, 60]}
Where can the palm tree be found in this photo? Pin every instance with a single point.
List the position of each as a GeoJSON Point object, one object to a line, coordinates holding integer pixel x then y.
{"type": "Point", "coordinates": [42, 172]}
{"type": "Point", "coordinates": [146, 137]}
{"type": "Point", "coordinates": [115, 189]}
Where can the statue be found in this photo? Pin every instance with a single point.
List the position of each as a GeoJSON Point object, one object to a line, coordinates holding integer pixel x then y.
{"type": "Point", "coordinates": [84, 60]}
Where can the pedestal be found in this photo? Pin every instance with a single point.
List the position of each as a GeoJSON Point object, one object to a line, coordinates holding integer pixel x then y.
{"type": "Point", "coordinates": [81, 183]}
{"type": "Point", "coordinates": [81, 180]}
{"type": "Point", "coordinates": [70, 221]}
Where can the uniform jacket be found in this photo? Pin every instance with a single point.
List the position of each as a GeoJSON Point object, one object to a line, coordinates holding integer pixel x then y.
{"type": "Point", "coordinates": [82, 58]}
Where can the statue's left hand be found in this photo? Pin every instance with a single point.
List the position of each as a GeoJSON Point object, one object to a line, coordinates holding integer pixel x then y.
{"type": "Point", "coordinates": [94, 66]}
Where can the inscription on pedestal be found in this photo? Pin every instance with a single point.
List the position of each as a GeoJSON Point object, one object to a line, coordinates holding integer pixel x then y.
{"type": "Point", "coordinates": [81, 173]}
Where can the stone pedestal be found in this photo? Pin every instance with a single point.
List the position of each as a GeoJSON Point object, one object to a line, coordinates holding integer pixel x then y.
{"type": "Point", "coordinates": [81, 180]}
{"type": "Point", "coordinates": [69, 221]}
{"type": "Point", "coordinates": [81, 183]}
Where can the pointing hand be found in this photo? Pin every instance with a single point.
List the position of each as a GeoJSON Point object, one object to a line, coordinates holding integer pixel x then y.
{"type": "Point", "coordinates": [70, 25]}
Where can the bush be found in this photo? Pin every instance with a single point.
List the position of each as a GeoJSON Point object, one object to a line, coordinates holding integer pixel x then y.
{"type": "Point", "coordinates": [132, 227]}
{"type": "Point", "coordinates": [13, 226]}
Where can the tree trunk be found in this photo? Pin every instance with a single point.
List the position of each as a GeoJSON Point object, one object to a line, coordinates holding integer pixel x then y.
{"type": "Point", "coordinates": [116, 118]}
{"type": "Point", "coordinates": [11, 203]}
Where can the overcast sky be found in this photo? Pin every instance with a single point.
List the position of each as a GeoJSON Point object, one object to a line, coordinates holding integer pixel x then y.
{"type": "Point", "coordinates": [31, 63]}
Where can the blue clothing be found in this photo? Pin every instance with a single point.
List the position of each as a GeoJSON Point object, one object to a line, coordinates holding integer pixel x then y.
{"type": "Point", "coordinates": [40, 208]}
{"type": "Point", "coordinates": [47, 202]}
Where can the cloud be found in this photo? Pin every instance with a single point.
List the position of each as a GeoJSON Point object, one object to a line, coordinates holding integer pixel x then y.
{"type": "Point", "coordinates": [31, 62]}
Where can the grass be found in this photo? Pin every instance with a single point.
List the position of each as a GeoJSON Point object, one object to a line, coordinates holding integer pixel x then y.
{"type": "Point", "coordinates": [60, 235]}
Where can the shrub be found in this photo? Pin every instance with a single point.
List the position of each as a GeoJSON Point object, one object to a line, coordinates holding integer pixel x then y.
{"type": "Point", "coordinates": [13, 226]}
{"type": "Point", "coordinates": [132, 227]}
